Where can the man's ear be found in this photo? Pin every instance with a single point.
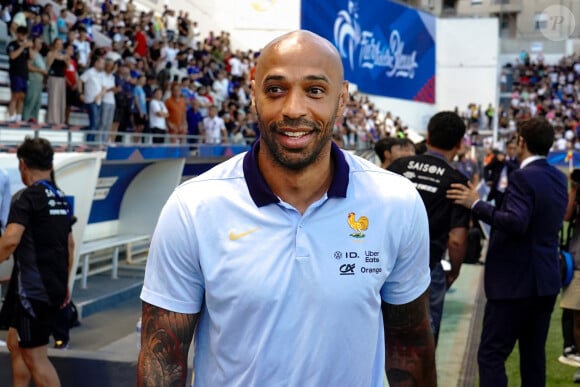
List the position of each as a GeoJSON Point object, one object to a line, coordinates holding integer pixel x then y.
{"type": "Point", "coordinates": [387, 154]}
{"type": "Point", "coordinates": [343, 99]}
{"type": "Point", "coordinates": [253, 93]}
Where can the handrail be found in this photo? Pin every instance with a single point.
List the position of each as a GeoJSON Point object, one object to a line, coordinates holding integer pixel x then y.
{"type": "Point", "coordinates": [68, 140]}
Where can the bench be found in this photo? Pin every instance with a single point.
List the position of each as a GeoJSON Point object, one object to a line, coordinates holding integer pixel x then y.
{"type": "Point", "coordinates": [114, 242]}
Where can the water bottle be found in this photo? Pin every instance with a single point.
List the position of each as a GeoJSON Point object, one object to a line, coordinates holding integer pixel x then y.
{"type": "Point", "coordinates": [138, 330]}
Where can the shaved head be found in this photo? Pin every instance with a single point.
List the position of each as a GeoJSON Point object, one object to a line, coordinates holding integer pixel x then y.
{"type": "Point", "coordinates": [296, 42]}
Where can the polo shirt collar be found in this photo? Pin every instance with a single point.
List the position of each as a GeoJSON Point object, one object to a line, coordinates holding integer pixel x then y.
{"type": "Point", "coordinates": [261, 193]}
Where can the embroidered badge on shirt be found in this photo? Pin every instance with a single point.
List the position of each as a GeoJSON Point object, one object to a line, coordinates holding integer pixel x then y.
{"type": "Point", "coordinates": [358, 225]}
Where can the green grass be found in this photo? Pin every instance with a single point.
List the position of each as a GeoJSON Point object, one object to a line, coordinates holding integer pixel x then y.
{"type": "Point", "coordinates": [557, 374]}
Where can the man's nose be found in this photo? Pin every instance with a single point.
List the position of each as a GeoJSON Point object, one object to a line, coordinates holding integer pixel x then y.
{"type": "Point", "coordinates": [295, 105]}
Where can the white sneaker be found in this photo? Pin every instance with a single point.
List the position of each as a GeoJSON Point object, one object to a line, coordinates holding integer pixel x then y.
{"type": "Point", "coordinates": [11, 118]}
{"type": "Point", "coordinates": [570, 357]}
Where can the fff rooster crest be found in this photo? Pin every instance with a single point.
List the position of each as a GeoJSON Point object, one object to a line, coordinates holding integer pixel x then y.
{"type": "Point", "coordinates": [358, 225]}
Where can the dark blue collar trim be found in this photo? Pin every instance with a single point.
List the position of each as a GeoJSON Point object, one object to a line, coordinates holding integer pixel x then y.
{"type": "Point", "coordinates": [261, 193]}
{"type": "Point", "coordinates": [341, 173]}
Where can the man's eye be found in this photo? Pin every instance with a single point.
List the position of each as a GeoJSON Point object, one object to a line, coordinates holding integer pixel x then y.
{"type": "Point", "coordinates": [274, 89]}
{"type": "Point", "coordinates": [316, 90]}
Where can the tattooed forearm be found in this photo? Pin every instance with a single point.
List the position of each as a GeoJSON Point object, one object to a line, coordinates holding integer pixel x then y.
{"type": "Point", "coordinates": [165, 340]}
{"type": "Point", "coordinates": [409, 344]}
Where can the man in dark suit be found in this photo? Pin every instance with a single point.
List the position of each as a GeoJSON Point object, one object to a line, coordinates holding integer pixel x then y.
{"type": "Point", "coordinates": [522, 273]}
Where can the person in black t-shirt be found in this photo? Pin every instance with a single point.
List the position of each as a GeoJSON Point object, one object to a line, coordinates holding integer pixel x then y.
{"type": "Point", "coordinates": [39, 235]}
{"type": "Point", "coordinates": [433, 175]}
{"type": "Point", "coordinates": [18, 53]}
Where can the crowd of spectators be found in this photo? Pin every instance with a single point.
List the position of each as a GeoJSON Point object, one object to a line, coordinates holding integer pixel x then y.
{"type": "Point", "coordinates": [203, 84]}
{"type": "Point", "coordinates": [115, 85]}
{"type": "Point", "coordinates": [552, 91]}
{"type": "Point", "coordinates": [533, 88]}
{"type": "Point", "coordinates": [363, 124]}
{"type": "Point", "coordinates": [528, 89]}
{"type": "Point", "coordinates": [167, 51]}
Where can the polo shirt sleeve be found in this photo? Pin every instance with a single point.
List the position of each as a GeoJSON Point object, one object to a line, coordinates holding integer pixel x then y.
{"type": "Point", "coordinates": [173, 277]}
{"type": "Point", "coordinates": [410, 275]}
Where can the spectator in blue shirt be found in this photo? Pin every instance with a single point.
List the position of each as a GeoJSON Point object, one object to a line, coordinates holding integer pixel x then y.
{"type": "Point", "coordinates": [62, 25]}
{"type": "Point", "coordinates": [140, 117]}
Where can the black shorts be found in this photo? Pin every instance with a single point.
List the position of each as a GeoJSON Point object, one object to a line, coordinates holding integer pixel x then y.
{"type": "Point", "coordinates": [119, 113]}
{"type": "Point", "coordinates": [122, 108]}
{"type": "Point", "coordinates": [34, 330]}
{"type": "Point", "coordinates": [137, 120]}
{"type": "Point", "coordinates": [73, 97]}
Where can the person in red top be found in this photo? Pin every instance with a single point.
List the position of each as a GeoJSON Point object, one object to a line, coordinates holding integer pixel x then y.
{"type": "Point", "coordinates": [140, 41]}
{"type": "Point", "coordinates": [177, 119]}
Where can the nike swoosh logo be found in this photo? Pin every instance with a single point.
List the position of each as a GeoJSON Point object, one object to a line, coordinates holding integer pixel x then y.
{"type": "Point", "coordinates": [234, 237]}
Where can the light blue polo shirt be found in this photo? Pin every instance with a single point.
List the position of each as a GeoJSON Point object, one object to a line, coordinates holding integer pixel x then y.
{"type": "Point", "coordinates": [289, 299]}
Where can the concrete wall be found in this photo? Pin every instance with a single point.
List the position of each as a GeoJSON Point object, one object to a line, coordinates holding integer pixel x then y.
{"type": "Point", "coordinates": [467, 68]}
{"type": "Point", "coordinates": [552, 51]}
{"type": "Point", "coordinates": [252, 23]}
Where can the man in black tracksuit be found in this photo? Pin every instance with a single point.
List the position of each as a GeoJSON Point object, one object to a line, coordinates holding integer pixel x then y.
{"type": "Point", "coordinates": [433, 175]}
{"type": "Point", "coordinates": [39, 235]}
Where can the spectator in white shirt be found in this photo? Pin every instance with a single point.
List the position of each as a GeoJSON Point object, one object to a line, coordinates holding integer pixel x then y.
{"type": "Point", "coordinates": [92, 93]}
{"type": "Point", "coordinates": [236, 68]}
{"type": "Point", "coordinates": [108, 102]}
{"type": "Point", "coordinates": [221, 88]}
{"type": "Point", "coordinates": [169, 52]}
{"type": "Point", "coordinates": [157, 115]}
{"type": "Point", "coordinates": [83, 48]}
{"type": "Point", "coordinates": [213, 128]}
{"type": "Point", "coordinates": [204, 100]}
{"type": "Point", "coordinates": [170, 19]}
{"type": "Point", "coordinates": [196, 34]}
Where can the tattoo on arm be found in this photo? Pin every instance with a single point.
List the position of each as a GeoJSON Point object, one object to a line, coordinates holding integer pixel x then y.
{"type": "Point", "coordinates": [409, 342]}
{"type": "Point", "coordinates": [165, 340]}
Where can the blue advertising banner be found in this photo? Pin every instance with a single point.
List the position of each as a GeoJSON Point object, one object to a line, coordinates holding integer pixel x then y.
{"type": "Point", "coordinates": [107, 206]}
{"type": "Point", "coordinates": [568, 159]}
{"type": "Point", "coordinates": [387, 49]}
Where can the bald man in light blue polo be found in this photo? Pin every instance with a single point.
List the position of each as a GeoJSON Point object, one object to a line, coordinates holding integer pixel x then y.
{"type": "Point", "coordinates": [295, 264]}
